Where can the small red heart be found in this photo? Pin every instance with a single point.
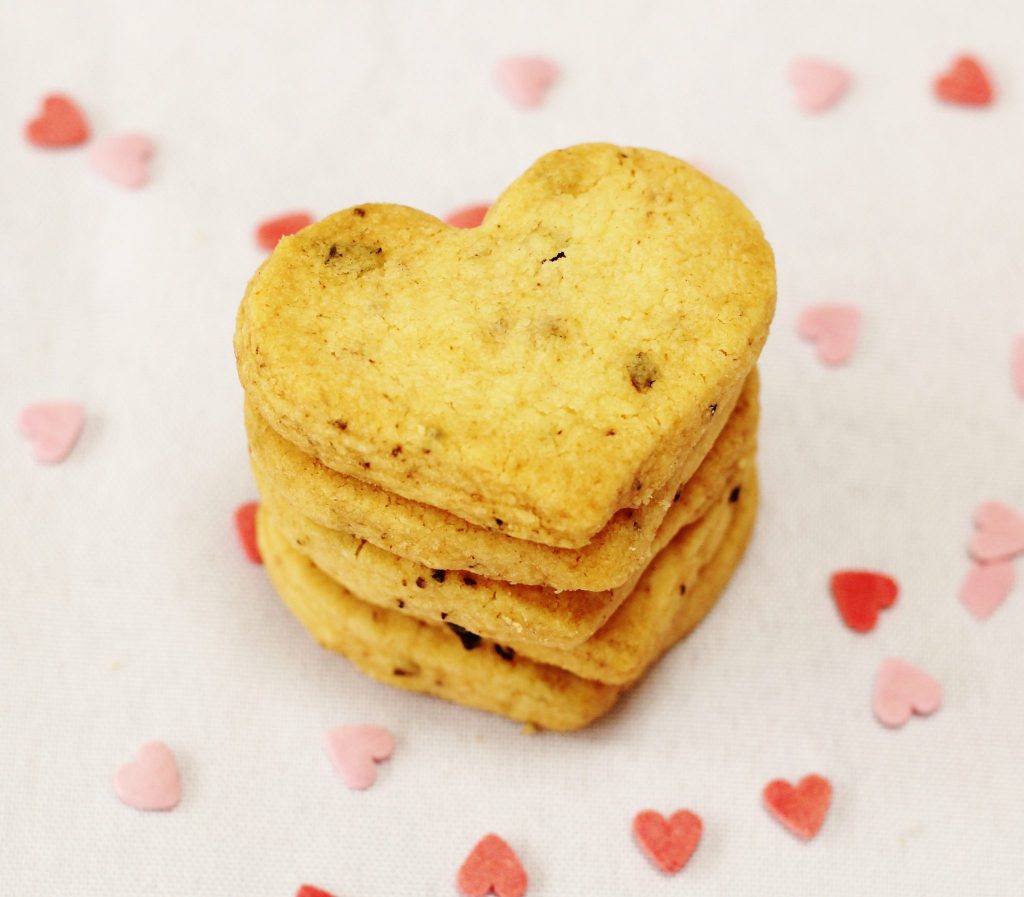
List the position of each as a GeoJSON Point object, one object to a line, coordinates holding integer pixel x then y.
{"type": "Point", "coordinates": [861, 594]}
{"type": "Point", "coordinates": [469, 216]}
{"type": "Point", "coordinates": [245, 526]}
{"type": "Point", "coordinates": [492, 866]}
{"type": "Point", "coordinates": [668, 842]}
{"type": "Point", "coordinates": [310, 891]}
{"type": "Point", "coordinates": [966, 83]}
{"type": "Point", "coordinates": [270, 231]}
{"type": "Point", "coordinates": [61, 123]}
{"type": "Point", "coordinates": [801, 809]}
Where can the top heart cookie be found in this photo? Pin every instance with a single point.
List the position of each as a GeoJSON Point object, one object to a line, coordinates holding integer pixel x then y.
{"type": "Point", "coordinates": [534, 374]}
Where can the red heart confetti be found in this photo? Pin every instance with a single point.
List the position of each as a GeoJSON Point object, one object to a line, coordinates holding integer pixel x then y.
{"type": "Point", "coordinates": [861, 594]}
{"type": "Point", "coordinates": [525, 80]}
{"type": "Point", "coordinates": [310, 891]}
{"type": "Point", "coordinates": [492, 867]}
{"type": "Point", "coordinates": [245, 526]}
{"type": "Point", "coordinates": [801, 809]}
{"type": "Point", "coordinates": [986, 586]}
{"type": "Point", "coordinates": [355, 752]}
{"type": "Point", "coordinates": [999, 533]}
{"type": "Point", "coordinates": [52, 427]}
{"type": "Point", "coordinates": [966, 83]}
{"type": "Point", "coordinates": [901, 689]}
{"type": "Point", "coordinates": [669, 843]}
{"type": "Point", "coordinates": [468, 216]}
{"type": "Point", "coordinates": [60, 123]}
{"type": "Point", "coordinates": [270, 231]}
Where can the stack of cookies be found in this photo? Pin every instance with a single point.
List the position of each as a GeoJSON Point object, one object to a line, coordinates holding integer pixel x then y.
{"type": "Point", "coordinates": [511, 465]}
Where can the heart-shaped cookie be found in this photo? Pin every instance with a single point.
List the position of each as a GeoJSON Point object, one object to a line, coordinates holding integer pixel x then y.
{"type": "Point", "coordinates": [355, 752]}
{"type": "Point", "coordinates": [669, 843]}
{"type": "Point", "coordinates": [60, 123]}
{"type": "Point", "coordinates": [151, 781]}
{"type": "Point", "coordinates": [52, 427]}
{"type": "Point", "coordinates": [532, 375]}
{"type": "Point", "coordinates": [123, 159]}
{"type": "Point", "coordinates": [801, 808]}
{"type": "Point", "coordinates": [492, 867]}
{"type": "Point", "coordinates": [901, 689]}
{"type": "Point", "coordinates": [861, 594]}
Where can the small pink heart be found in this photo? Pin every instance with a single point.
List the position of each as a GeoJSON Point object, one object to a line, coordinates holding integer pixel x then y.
{"type": "Point", "coordinates": [833, 329]}
{"type": "Point", "coordinates": [525, 80]}
{"type": "Point", "coordinates": [123, 159]}
{"type": "Point", "coordinates": [986, 586]}
{"type": "Point", "coordinates": [999, 532]}
{"type": "Point", "coordinates": [818, 84]}
{"type": "Point", "coordinates": [902, 689]}
{"type": "Point", "coordinates": [1017, 364]}
{"type": "Point", "coordinates": [151, 781]}
{"type": "Point", "coordinates": [53, 428]}
{"type": "Point", "coordinates": [355, 752]}
{"type": "Point", "coordinates": [467, 216]}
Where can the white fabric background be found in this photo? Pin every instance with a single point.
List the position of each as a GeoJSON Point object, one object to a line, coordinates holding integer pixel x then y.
{"type": "Point", "coordinates": [128, 613]}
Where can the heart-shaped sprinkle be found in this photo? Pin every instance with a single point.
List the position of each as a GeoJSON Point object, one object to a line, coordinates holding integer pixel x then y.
{"type": "Point", "coordinates": [355, 752]}
{"type": "Point", "coordinates": [818, 84]}
{"type": "Point", "coordinates": [310, 891]}
{"type": "Point", "coordinates": [861, 594]}
{"type": "Point", "coordinates": [902, 689]}
{"type": "Point", "coordinates": [986, 586]}
{"type": "Point", "coordinates": [52, 427]}
{"type": "Point", "coordinates": [150, 781]}
{"type": "Point", "coordinates": [802, 809]}
{"type": "Point", "coordinates": [492, 867]}
{"type": "Point", "coordinates": [833, 328]}
{"type": "Point", "coordinates": [468, 216]}
{"type": "Point", "coordinates": [245, 526]}
{"type": "Point", "coordinates": [123, 159]}
{"type": "Point", "coordinates": [669, 843]}
{"type": "Point", "coordinates": [525, 80]}
{"type": "Point", "coordinates": [966, 83]}
{"type": "Point", "coordinates": [60, 123]}
{"type": "Point", "coordinates": [270, 231]}
{"type": "Point", "coordinates": [1017, 365]}
{"type": "Point", "coordinates": [999, 532]}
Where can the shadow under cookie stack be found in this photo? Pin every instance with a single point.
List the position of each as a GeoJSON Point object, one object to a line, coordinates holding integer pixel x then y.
{"type": "Point", "coordinates": [512, 465]}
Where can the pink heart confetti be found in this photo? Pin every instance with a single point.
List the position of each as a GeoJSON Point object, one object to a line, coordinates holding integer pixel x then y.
{"type": "Point", "coordinates": [902, 689]}
{"type": "Point", "coordinates": [999, 532]}
{"type": "Point", "coordinates": [52, 427]}
{"type": "Point", "coordinates": [355, 752]}
{"type": "Point", "coordinates": [986, 586]}
{"type": "Point", "coordinates": [151, 781]}
{"type": "Point", "coordinates": [526, 80]}
{"type": "Point", "coordinates": [818, 84]}
{"type": "Point", "coordinates": [1017, 365]}
{"type": "Point", "coordinates": [833, 329]}
{"type": "Point", "coordinates": [467, 216]}
{"type": "Point", "coordinates": [123, 159]}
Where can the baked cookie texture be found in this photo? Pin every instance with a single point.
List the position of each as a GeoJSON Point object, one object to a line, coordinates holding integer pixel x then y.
{"type": "Point", "coordinates": [511, 465]}
{"type": "Point", "coordinates": [439, 540]}
{"type": "Point", "coordinates": [424, 657]}
{"type": "Point", "coordinates": [612, 300]}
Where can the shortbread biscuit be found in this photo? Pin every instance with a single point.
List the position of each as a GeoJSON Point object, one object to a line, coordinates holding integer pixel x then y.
{"type": "Point", "coordinates": [492, 608]}
{"type": "Point", "coordinates": [440, 541]}
{"type": "Point", "coordinates": [610, 302]}
{"type": "Point", "coordinates": [421, 657]}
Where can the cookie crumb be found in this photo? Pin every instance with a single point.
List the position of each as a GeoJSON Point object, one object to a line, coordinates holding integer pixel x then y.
{"type": "Point", "coordinates": [643, 372]}
{"type": "Point", "coordinates": [555, 258]}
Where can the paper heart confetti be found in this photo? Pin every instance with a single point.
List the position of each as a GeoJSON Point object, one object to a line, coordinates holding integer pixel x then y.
{"type": "Point", "coordinates": [966, 83]}
{"type": "Point", "coordinates": [801, 808]}
{"type": "Point", "coordinates": [669, 843]}
{"type": "Point", "coordinates": [833, 329]}
{"type": "Point", "coordinates": [60, 123]}
{"type": "Point", "coordinates": [986, 586]}
{"type": "Point", "coordinates": [52, 427]}
{"type": "Point", "coordinates": [150, 781]}
{"type": "Point", "coordinates": [492, 867]}
{"type": "Point", "coordinates": [818, 84]}
{"type": "Point", "coordinates": [901, 689]}
{"type": "Point", "coordinates": [468, 216]}
{"type": "Point", "coordinates": [355, 752]}
{"type": "Point", "coordinates": [269, 232]}
{"type": "Point", "coordinates": [123, 159]}
{"type": "Point", "coordinates": [310, 891]}
{"type": "Point", "coordinates": [861, 594]}
{"type": "Point", "coordinates": [526, 80]}
{"type": "Point", "coordinates": [245, 526]}
{"type": "Point", "coordinates": [1017, 365]}
{"type": "Point", "coordinates": [999, 532]}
